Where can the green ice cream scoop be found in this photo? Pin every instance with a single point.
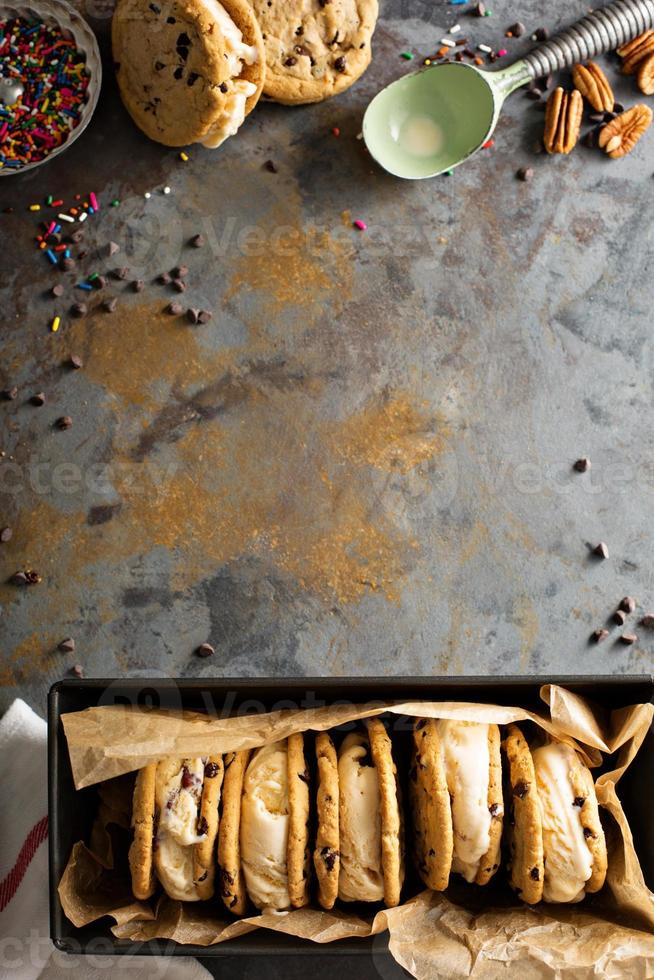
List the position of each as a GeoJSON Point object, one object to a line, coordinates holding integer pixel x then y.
{"type": "Point", "coordinates": [435, 119]}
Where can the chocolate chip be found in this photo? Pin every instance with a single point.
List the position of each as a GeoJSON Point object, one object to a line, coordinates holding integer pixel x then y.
{"type": "Point", "coordinates": [170, 20]}
{"type": "Point", "coordinates": [109, 305]}
{"type": "Point", "coordinates": [601, 550]}
{"type": "Point", "coordinates": [9, 394]}
{"type": "Point", "coordinates": [494, 809]}
{"type": "Point", "coordinates": [205, 650]}
{"type": "Point", "coordinates": [137, 285]}
{"type": "Point", "coordinates": [100, 282]}
{"type": "Point", "coordinates": [6, 534]}
{"type": "Point", "coordinates": [339, 64]}
{"type": "Point", "coordinates": [192, 315]}
{"type": "Point", "coordinates": [588, 832]}
{"type": "Point", "coordinates": [27, 577]}
{"type": "Point", "coordinates": [57, 290]}
{"type": "Point", "coordinates": [182, 53]}
{"type": "Point", "coordinates": [175, 309]}
{"type": "Point", "coordinates": [203, 876]}
{"type": "Point", "coordinates": [211, 770]}
{"type": "Point", "coordinates": [517, 29]}
{"type": "Point", "coordinates": [579, 801]}
{"type": "Point", "coordinates": [270, 166]}
{"type": "Point", "coordinates": [304, 776]}
{"type": "Point", "coordinates": [329, 857]}
{"type": "Point", "coordinates": [121, 273]}
{"type": "Point", "coordinates": [628, 639]}
{"type": "Point", "coordinates": [187, 778]}
{"type": "Point", "coordinates": [525, 173]}
{"type": "Point", "coordinates": [478, 10]}
{"type": "Point", "coordinates": [68, 264]}
{"type": "Point", "coordinates": [582, 465]}
{"type": "Point", "coordinates": [301, 50]}
{"type": "Point", "coordinates": [179, 271]}
{"type": "Point", "coordinates": [598, 636]}
{"type": "Point", "coordinates": [18, 578]}
{"type": "Point", "coordinates": [203, 826]}
{"type": "Point", "coordinates": [619, 617]}
{"type": "Point", "coordinates": [534, 874]}
{"type": "Point", "coordinates": [290, 61]}
{"type": "Point", "coordinates": [178, 73]}
{"type": "Point", "coordinates": [164, 278]}
{"type": "Point", "coordinates": [224, 87]}
{"type": "Point", "coordinates": [38, 399]}
{"type": "Point", "coordinates": [628, 603]}
{"type": "Point", "coordinates": [648, 621]}
{"type": "Point", "coordinates": [155, 9]}
{"type": "Point", "coordinates": [159, 65]}
{"type": "Point", "coordinates": [299, 31]}
{"type": "Point", "coordinates": [77, 670]}
{"type": "Point", "coordinates": [197, 241]}
{"type": "Point", "coordinates": [78, 309]}
{"type": "Point", "coordinates": [179, 285]}
{"type": "Point", "coordinates": [204, 316]}
{"type": "Point", "coordinates": [521, 789]}
{"type": "Point", "coordinates": [192, 78]}
{"type": "Point", "coordinates": [64, 422]}
{"type": "Point", "coordinates": [67, 645]}
{"type": "Point", "coordinates": [618, 108]}
{"type": "Point", "coordinates": [112, 249]}
{"type": "Point", "coordinates": [540, 34]}
{"type": "Point", "coordinates": [420, 723]}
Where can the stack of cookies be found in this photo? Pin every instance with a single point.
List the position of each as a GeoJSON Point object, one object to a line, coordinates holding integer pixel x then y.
{"type": "Point", "coordinates": [190, 71]}
{"type": "Point", "coordinates": [257, 827]}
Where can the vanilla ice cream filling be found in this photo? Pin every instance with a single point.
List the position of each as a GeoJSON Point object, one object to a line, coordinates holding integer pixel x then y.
{"type": "Point", "coordinates": [237, 52]}
{"type": "Point", "coordinates": [568, 860]}
{"type": "Point", "coordinates": [360, 876]}
{"type": "Point", "coordinates": [264, 827]}
{"type": "Point", "coordinates": [466, 758]}
{"type": "Point", "coordinates": [178, 800]}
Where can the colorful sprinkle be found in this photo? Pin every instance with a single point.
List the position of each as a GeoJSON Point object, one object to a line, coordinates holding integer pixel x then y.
{"type": "Point", "coordinates": [183, 156]}
{"type": "Point", "coordinates": [407, 55]}
{"type": "Point", "coordinates": [488, 144]}
{"type": "Point", "coordinates": [502, 52]}
{"type": "Point", "coordinates": [94, 201]}
{"type": "Point", "coordinates": [54, 326]}
{"type": "Point", "coordinates": [360, 225]}
{"type": "Point", "coordinates": [336, 131]}
{"type": "Point", "coordinates": [115, 203]}
{"type": "Point", "coordinates": [35, 207]}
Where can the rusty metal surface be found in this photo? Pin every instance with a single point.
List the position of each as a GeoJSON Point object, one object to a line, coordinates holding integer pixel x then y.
{"type": "Point", "coordinates": [362, 464]}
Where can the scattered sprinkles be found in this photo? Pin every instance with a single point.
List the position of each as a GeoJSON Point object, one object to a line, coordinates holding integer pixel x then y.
{"type": "Point", "coordinates": [54, 80]}
{"type": "Point", "coordinates": [407, 55]}
{"type": "Point", "coordinates": [360, 225]}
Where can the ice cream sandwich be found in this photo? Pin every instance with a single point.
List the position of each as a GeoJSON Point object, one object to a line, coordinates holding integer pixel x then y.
{"type": "Point", "coordinates": [274, 835]}
{"type": "Point", "coordinates": [455, 786]}
{"type": "Point", "coordinates": [370, 827]}
{"type": "Point", "coordinates": [557, 847]}
{"type": "Point", "coordinates": [175, 824]}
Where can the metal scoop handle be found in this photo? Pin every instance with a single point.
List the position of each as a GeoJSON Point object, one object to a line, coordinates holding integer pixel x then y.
{"type": "Point", "coordinates": [600, 31]}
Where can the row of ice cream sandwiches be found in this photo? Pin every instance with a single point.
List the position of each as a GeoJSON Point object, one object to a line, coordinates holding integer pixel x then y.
{"type": "Point", "coordinates": [251, 826]}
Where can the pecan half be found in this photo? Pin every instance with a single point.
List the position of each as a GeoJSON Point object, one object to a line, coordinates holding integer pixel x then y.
{"type": "Point", "coordinates": [620, 136]}
{"type": "Point", "coordinates": [634, 52]}
{"type": "Point", "coordinates": [646, 75]}
{"type": "Point", "coordinates": [593, 84]}
{"type": "Point", "coordinates": [562, 120]}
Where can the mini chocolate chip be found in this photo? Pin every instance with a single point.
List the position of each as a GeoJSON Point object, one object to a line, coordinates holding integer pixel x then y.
{"type": "Point", "coordinates": [290, 61]}
{"type": "Point", "coordinates": [304, 776]}
{"type": "Point", "coordinates": [599, 635]}
{"type": "Point", "coordinates": [178, 73]}
{"type": "Point", "coordinates": [628, 603]}
{"type": "Point", "coordinates": [175, 309]}
{"type": "Point", "coordinates": [155, 9]}
{"type": "Point", "coordinates": [203, 826]}
{"type": "Point", "coordinates": [521, 789]}
{"type": "Point", "coordinates": [137, 285]}
{"type": "Point", "coordinates": [420, 723]}
{"type": "Point", "coordinates": [164, 278]}
{"type": "Point", "coordinates": [204, 316]}
{"type": "Point", "coordinates": [192, 314]}
{"type": "Point", "coordinates": [170, 20]}
{"type": "Point", "coordinates": [197, 241]}
{"type": "Point", "coordinates": [183, 39]}
{"type": "Point", "coordinates": [78, 309]}
{"type": "Point", "coordinates": [57, 290]}
{"type": "Point", "coordinates": [121, 273]}
{"type": "Point", "coordinates": [329, 857]}
{"type": "Point", "coordinates": [109, 304]}
{"type": "Point", "coordinates": [588, 832]}
{"type": "Point", "coordinates": [540, 34]}
{"type": "Point", "coordinates": [159, 65]}
{"type": "Point", "coordinates": [68, 264]}
{"type": "Point", "coordinates": [270, 166]}
{"type": "Point", "coordinates": [619, 617]}
{"type": "Point", "coordinates": [187, 778]}
{"type": "Point", "coordinates": [582, 465]}
{"type": "Point", "coordinates": [494, 809]}
{"type": "Point", "coordinates": [9, 394]}
{"type": "Point", "coordinates": [205, 650]}
{"type": "Point", "coordinates": [601, 550]}
{"type": "Point", "coordinates": [628, 639]}
{"type": "Point", "coordinates": [182, 52]}
{"type": "Point", "coordinates": [203, 876]}
{"type": "Point", "coordinates": [18, 578]}
{"type": "Point", "coordinates": [479, 9]}
{"type": "Point", "coordinates": [339, 64]}
{"type": "Point", "coordinates": [77, 670]}
{"type": "Point", "coordinates": [525, 173]}
{"type": "Point", "coordinates": [224, 87]}
{"type": "Point", "coordinates": [534, 874]}
{"type": "Point", "coordinates": [517, 29]}
{"type": "Point", "coordinates": [112, 249]}
{"type": "Point", "coordinates": [618, 108]}
{"type": "Point", "coordinates": [179, 271]}
{"type": "Point", "coordinates": [192, 78]}
{"type": "Point", "coordinates": [64, 422]}
{"type": "Point", "coordinates": [299, 31]}
{"type": "Point", "coordinates": [211, 770]}
{"type": "Point", "coordinates": [648, 621]}
{"type": "Point", "coordinates": [100, 282]}
{"type": "Point", "coordinates": [6, 534]}
{"type": "Point", "coordinates": [301, 50]}
{"type": "Point", "coordinates": [179, 285]}
{"type": "Point", "coordinates": [67, 645]}
{"type": "Point", "coordinates": [579, 801]}
{"type": "Point", "coordinates": [38, 399]}
{"type": "Point", "coordinates": [32, 576]}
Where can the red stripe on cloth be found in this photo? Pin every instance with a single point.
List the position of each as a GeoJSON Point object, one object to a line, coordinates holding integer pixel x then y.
{"type": "Point", "coordinates": [34, 839]}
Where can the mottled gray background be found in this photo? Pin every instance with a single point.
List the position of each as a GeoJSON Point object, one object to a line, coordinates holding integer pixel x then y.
{"type": "Point", "coordinates": [362, 464]}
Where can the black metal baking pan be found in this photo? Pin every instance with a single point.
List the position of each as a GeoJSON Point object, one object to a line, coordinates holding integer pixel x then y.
{"type": "Point", "coordinates": [72, 812]}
